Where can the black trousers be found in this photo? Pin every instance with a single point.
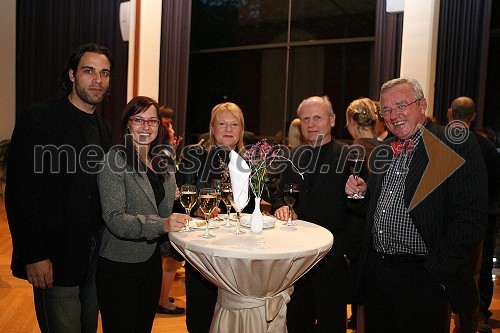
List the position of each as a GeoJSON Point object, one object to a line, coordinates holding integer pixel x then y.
{"type": "Point", "coordinates": [319, 301]}
{"type": "Point", "coordinates": [201, 297]}
{"type": "Point", "coordinates": [402, 297]}
{"type": "Point", "coordinates": [485, 282]}
{"type": "Point", "coordinates": [128, 294]}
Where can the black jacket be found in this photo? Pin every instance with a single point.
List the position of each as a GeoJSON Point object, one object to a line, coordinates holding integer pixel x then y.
{"type": "Point", "coordinates": [49, 211]}
{"type": "Point", "coordinates": [451, 219]}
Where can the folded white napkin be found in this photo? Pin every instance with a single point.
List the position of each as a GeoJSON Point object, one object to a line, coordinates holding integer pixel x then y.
{"type": "Point", "coordinates": [239, 171]}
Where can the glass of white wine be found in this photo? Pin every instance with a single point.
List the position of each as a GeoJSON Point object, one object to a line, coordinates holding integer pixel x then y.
{"type": "Point", "coordinates": [290, 195]}
{"type": "Point", "coordinates": [188, 200]}
{"type": "Point", "coordinates": [227, 194]}
{"type": "Point", "coordinates": [239, 204]}
{"type": "Point", "coordinates": [217, 186]}
{"type": "Point", "coordinates": [206, 200]}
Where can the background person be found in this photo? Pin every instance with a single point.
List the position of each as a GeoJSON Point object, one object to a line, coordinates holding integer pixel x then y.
{"type": "Point", "coordinates": [381, 132]}
{"type": "Point", "coordinates": [171, 261]}
{"type": "Point", "coordinates": [486, 285]}
{"type": "Point", "coordinates": [55, 215]}
{"type": "Point", "coordinates": [415, 263]}
{"type": "Point", "coordinates": [137, 194]}
{"type": "Point", "coordinates": [167, 117]}
{"type": "Point", "coordinates": [295, 137]}
{"type": "Point", "coordinates": [462, 112]}
{"type": "Point", "coordinates": [362, 117]}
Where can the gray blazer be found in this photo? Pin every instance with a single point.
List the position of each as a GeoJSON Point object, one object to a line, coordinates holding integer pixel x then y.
{"type": "Point", "coordinates": [133, 221]}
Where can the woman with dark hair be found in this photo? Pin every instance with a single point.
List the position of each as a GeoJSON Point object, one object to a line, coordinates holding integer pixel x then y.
{"type": "Point", "coordinates": [137, 194]}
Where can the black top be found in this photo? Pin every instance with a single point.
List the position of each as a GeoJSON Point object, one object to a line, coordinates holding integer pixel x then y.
{"type": "Point", "coordinates": [199, 166]}
{"type": "Point", "coordinates": [49, 211]}
{"type": "Point", "coordinates": [157, 186]}
{"type": "Point", "coordinates": [90, 161]}
{"type": "Point", "coordinates": [318, 156]}
{"type": "Point", "coordinates": [489, 153]}
{"type": "Point", "coordinates": [89, 126]}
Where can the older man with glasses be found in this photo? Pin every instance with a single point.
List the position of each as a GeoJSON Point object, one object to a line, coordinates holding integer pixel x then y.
{"type": "Point", "coordinates": [417, 248]}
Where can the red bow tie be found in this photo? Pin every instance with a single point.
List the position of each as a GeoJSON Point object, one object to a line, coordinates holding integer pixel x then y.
{"type": "Point", "coordinates": [399, 146]}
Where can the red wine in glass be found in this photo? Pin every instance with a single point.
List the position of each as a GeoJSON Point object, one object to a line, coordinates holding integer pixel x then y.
{"type": "Point", "coordinates": [355, 162]}
{"type": "Point", "coordinates": [291, 196]}
{"type": "Point", "coordinates": [355, 165]}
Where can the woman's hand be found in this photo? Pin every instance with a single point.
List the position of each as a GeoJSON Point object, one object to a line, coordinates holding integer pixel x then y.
{"type": "Point", "coordinates": [175, 222]}
{"type": "Point", "coordinates": [355, 185]}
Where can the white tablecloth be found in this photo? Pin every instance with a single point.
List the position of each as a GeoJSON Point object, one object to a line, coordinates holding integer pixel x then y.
{"type": "Point", "coordinates": [254, 273]}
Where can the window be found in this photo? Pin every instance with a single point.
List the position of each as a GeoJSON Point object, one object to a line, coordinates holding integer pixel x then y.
{"type": "Point", "coordinates": [268, 55]}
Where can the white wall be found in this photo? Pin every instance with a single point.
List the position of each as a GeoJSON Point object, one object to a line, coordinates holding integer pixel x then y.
{"type": "Point", "coordinates": [148, 56]}
{"type": "Point", "coordinates": [420, 34]}
{"type": "Point", "coordinates": [7, 67]}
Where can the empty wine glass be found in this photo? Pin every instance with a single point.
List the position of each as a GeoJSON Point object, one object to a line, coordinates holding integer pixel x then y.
{"type": "Point", "coordinates": [217, 186]}
{"type": "Point", "coordinates": [188, 200]}
{"type": "Point", "coordinates": [206, 201]}
{"type": "Point", "coordinates": [355, 159]}
{"type": "Point", "coordinates": [291, 195]}
{"type": "Point", "coordinates": [239, 203]}
{"type": "Point", "coordinates": [226, 195]}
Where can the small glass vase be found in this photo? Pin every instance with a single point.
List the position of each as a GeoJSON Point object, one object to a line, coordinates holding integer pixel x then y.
{"type": "Point", "coordinates": [257, 220]}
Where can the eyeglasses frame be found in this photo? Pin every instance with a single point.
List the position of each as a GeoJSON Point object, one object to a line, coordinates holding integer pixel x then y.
{"type": "Point", "coordinates": [401, 108]}
{"type": "Point", "coordinates": [144, 121]}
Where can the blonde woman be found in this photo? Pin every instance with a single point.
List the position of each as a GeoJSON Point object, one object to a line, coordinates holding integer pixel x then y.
{"type": "Point", "coordinates": [200, 165]}
{"type": "Point", "coordinates": [361, 116]}
{"type": "Point", "coordinates": [295, 137]}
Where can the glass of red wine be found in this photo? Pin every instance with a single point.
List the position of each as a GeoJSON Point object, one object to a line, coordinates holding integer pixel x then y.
{"type": "Point", "coordinates": [291, 195]}
{"type": "Point", "coordinates": [355, 159]}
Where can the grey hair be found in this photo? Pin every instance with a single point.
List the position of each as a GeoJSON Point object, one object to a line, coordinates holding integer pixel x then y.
{"type": "Point", "coordinates": [417, 88]}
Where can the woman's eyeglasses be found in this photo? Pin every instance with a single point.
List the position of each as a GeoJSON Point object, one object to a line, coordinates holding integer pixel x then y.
{"type": "Point", "coordinates": [140, 121]}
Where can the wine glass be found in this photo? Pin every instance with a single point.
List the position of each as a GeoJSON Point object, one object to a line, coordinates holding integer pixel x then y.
{"type": "Point", "coordinates": [291, 195]}
{"type": "Point", "coordinates": [355, 159]}
{"type": "Point", "coordinates": [206, 201]}
{"type": "Point", "coordinates": [217, 186]}
{"type": "Point", "coordinates": [226, 195]}
{"type": "Point", "coordinates": [239, 204]}
{"type": "Point", "coordinates": [188, 199]}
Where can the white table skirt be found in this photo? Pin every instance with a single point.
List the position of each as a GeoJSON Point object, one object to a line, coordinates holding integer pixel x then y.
{"type": "Point", "coordinates": [254, 273]}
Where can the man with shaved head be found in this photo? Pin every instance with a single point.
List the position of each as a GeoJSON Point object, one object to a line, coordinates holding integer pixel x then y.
{"type": "Point", "coordinates": [463, 109]}
{"type": "Point", "coordinates": [319, 300]}
{"type": "Point", "coordinates": [462, 112]}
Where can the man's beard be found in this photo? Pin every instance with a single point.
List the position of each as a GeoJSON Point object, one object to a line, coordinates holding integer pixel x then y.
{"type": "Point", "coordinates": [88, 98]}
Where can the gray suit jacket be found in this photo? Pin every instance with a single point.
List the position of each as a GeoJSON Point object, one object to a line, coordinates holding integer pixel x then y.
{"type": "Point", "coordinates": [133, 221]}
